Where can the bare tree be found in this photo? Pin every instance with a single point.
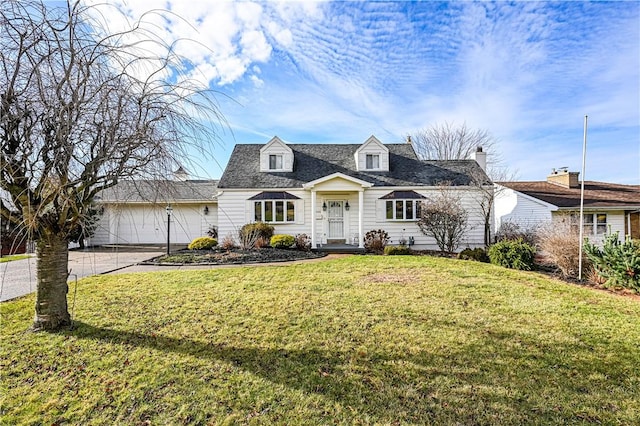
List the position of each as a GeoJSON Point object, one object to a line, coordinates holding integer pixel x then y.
{"type": "Point", "coordinates": [443, 218]}
{"type": "Point", "coordinates": [76, 118]}
{"type": "Point", "coordinates": [450, 141]}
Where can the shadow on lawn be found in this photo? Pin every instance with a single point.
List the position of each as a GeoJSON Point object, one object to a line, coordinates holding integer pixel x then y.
{"type": "Point", "coordinates": [352, 379]}
{"type": "Point", "coordinates": [380, 386]}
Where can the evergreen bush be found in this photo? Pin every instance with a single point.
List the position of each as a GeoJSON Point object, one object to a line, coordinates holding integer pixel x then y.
{"type": "Point", "coordinates": [513, 254]}
{"type": "Point", "coordinates": [282, 241]}
{"type": "Point", "coordinates": [478, 254]}
{"type": "Point", "coordinates": [397, 250]}
{"type": "Point", "coordinates": [617, 262]}
{"type": "Point", "coordinates": [202, 243]}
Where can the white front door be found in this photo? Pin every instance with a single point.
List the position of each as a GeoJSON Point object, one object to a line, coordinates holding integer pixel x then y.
{"type": "Point", "coordinates": [335, 217]}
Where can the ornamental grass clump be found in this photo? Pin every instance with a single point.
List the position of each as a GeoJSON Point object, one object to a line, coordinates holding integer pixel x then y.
{"type": "Point", "coordinates": [255, 235]}
{"type": "Point", "coordinates": [616, 262]}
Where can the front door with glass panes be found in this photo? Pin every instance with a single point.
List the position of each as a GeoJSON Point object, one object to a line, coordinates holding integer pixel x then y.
{"type": "Point", "coordinates": [335, 217]}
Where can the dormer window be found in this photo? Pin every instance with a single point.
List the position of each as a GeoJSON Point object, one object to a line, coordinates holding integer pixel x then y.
{"type": "Point", "coordinates": [372, 161]}
{"type": "Point", "coordinates": [276, 156]}
{"type": "Point", "coordinates": [372, 155]}
{"type": "Point", "coordinates": [275, 162]}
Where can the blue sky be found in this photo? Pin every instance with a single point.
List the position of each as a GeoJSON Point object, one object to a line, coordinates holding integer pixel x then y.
{"type": "Point", "coordinates": [338, 72]}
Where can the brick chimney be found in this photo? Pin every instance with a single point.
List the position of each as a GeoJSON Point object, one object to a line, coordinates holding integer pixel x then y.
{"type": "Point", "coordinates": [563, 177]}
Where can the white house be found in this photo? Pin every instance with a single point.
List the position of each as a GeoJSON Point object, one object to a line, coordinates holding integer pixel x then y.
{"type": "Point", "coordinates": [335, 193]}
{"type": "Point", "coordinates": [608, 207]}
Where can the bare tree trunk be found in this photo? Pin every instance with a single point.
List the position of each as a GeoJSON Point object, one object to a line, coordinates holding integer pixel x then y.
{"type": "Point", "coordinates": [51, 303]}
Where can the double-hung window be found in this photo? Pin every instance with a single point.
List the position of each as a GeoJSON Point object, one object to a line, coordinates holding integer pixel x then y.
{"type": "Point", "coordinates": [372, 161]}
{"type": "Point", "coordinates": [594, 223]}
{"type": "Point", "coordinates": [275, 162]}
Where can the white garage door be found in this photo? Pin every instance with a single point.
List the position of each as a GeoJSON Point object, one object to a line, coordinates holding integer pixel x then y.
{"type": "Point", "coordinates": [148, 225]}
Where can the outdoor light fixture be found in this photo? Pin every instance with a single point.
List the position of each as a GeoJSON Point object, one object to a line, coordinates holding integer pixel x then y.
{"type": "Point", "coordinates": [206, 210]}
{"type": "Point", "coordinates": [169, 210]}
{"type": "Point", "coordinates": [324, 206]}
{"type": "Point", "coordinates": [347, 206]}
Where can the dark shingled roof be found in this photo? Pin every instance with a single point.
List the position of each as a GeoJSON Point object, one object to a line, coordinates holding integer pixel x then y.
{"type": "Point", "coordinates": [274, 195]}
{"type": "Point", "coordinates": [403, 195]}
{"type": "Point", "coordinates": [159, 191]}
{"type": "Point", "coordinates": [596, 194]}
{"type": "Point", "coordinates": [314, 161]}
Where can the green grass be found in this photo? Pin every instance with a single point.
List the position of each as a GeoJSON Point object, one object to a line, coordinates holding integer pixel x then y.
{"type": "Point", "coordinates": [13, 257]}
{"type": "Point", "coordinates": [357, 340]}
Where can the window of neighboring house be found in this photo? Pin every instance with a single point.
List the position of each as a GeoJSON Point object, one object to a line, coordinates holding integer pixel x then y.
{"type": "Point", "coordinates": [403, 209]}
{"type": "Point", "coordinates": [275, 162]}
{"type": "Point", "coordinates": [372, 161]}
{"type": "Point", "coordinates": [276, 211]}
{"type": "Point", "coordinates": [594, 223]}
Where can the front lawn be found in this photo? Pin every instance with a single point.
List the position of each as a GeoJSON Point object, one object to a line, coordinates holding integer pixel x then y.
{"type": "Point", "coordinates": [12, 257]}
{"type": "Point", "coordinates": [357, 340]}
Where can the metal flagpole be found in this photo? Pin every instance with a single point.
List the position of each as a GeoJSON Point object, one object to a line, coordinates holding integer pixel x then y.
{"type": "Point", "coordinates": [584, 156]}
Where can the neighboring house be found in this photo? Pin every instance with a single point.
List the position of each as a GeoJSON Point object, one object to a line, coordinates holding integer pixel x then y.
{"type": "Point", "coordinates": [336, 193]}
{"type": "Point", "coordinates": [134, 212]}
{"type": "Point", "coordinates": [608, 207]}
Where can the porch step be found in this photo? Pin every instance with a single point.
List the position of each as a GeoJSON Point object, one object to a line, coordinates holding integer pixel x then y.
{"type": "Point", "coordinates": [339, 248]}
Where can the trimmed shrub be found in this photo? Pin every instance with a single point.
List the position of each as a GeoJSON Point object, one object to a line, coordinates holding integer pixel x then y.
{"type": "Point", "coordinates": [255, 235]}
{"type": "Point", "coordinates": [375, 241]}
{"type": "Point", "coordinates": [282, 241]}
{"type": "Point", "coordinates": [303, 242]}
{"type": "Point", "coordinates": [397, 250]}
{"type": "Point", "coordinates": [478, 254]}
{"type": "Point", "coordinates": [513, 254]}
{"type": "Point", "coordinates": [202, 243]}
{"type": "Point", "coordinates": [618, 263]}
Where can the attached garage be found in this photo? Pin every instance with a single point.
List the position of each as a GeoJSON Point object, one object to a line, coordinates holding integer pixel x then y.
{"type": "Point", "coordinates": [129, 219]}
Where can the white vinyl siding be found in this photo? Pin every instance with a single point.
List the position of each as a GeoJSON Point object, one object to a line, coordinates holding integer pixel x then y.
{"type": "Point", "coordinates": [375, 218]}
{"type": "Point", "coordinates": [513, 207]}
{"type": "Point", "coordinates": [235, 210]}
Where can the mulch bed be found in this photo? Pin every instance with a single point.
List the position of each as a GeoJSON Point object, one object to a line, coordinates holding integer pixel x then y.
{"type": "Point", "coordinates": [220, 256]}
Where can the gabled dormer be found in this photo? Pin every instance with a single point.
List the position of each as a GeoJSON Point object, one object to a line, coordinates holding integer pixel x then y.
{"type": "Point", "coordinates": [372, 156]}
{"type": "Point", "coordinates": [276, 156]}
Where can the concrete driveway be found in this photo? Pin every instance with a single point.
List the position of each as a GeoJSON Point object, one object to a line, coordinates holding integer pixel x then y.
{"type": "Point", "coordinates": [18, 278]}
